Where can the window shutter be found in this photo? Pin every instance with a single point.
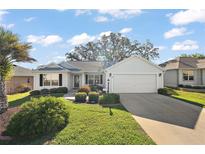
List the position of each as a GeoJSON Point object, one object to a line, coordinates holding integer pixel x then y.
{"type": "Point", "coordinates": [41, 80]}
{"type": "Point", "coordinates": [86, 79]}
{"type": "Point", "coordinates": [60, 79]}
{"type": "Point", "coordinates": [101, 79]}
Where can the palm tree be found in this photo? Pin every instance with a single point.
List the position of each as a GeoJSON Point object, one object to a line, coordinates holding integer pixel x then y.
{"type": "Point", "coordinates": [11, 51]}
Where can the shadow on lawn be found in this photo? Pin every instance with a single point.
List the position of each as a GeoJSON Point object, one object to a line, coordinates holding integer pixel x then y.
{"type": "Point", "coordinates": [23, 100]}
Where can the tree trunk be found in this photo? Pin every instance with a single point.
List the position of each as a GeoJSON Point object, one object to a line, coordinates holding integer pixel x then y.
{"type": "Point", "coordinates": [3, 97]}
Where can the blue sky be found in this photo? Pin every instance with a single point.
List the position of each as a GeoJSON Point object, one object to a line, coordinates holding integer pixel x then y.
{"type": "Point", "coordinates": [55, 32]}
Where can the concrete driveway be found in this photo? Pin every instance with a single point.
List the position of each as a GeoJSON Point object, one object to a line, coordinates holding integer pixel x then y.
{"type": "Point", "coordinates": [167, 120]}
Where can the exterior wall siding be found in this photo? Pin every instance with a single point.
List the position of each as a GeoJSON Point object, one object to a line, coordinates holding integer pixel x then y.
{"type": "Point", "coordinates": [197, 78]}
{"type": "Point", "coordinates": [65, 81]}
{"type": "Point", "coordinates": [203, 76]}
{"type": "Point", "coordinates": [16, 81]}
{"type": "Point", "coordinates": [134, 66]}
{"type": "Point", "coordinates": [171, 78]}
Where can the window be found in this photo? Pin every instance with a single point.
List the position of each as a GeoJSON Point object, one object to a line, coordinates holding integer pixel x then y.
{"type": "Point", "coordinates": [188, 75]}
{"type": "Point", "coordinates": [50, 79]}
{"type": "Point", "coordinates": [94, 79]}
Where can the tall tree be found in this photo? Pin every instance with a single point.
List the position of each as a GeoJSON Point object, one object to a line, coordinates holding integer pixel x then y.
{"type": "Point", "coordinates": [112, 48]}
{"type": "Point", "coordinates": [11, 50]}
{"type": "Point", "coordinates": [194, 55]}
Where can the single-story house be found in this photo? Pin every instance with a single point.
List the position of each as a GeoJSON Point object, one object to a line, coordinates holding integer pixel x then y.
{"type": "Point", "coordinates": [184, 71]}
{"type": "Point", "coordinates": [132, 75]}
{"type": "Point", "coordinates": [21, 78]}
{"type": "Point", "coordinates": [72, 74]}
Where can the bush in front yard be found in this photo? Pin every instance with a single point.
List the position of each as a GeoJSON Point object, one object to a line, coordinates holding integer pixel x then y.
{"type": "Point", "coordinates": [93, 97]}
{"type": "Point", "coordinates": [59, 90]}
{"type": "Point", "coordinates": [85, 89]}
{"type": "Point", "coordinates": [45, 91]}
{"type": "Point", "coordinates": [38, 117]}
{"type": "Point", "coordinates": [109, 99]}
{"type": "Point", "coordinates": [166, 91]}
{"type": "Point", "coordinates": [80, 97]}
{"type": "Point", "coordinates": [96, 88]}
{"type": "Point", "coordinates": [35, 92]}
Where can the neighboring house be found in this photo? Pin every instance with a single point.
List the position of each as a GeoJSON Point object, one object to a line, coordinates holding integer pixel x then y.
{"type": "Point", "coordinates": [21, 78]}
{"type": "Point", "coordinates": [132, 75]}
{"type": "Point", "coordinates": [184, 71]}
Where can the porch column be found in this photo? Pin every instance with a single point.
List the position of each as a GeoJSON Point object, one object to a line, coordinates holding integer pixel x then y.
{"type": "Point", "coordinates": [83, 79]}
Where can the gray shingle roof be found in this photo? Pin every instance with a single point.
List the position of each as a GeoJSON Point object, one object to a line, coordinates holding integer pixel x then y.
{"type": "Point", "coordinates": [85, 66]}
{"type": "Point", "coordinates": [184, 63]}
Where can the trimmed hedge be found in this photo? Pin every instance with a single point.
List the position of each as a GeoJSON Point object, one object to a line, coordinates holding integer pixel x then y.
{"type": "Point", "coordinates": [59, 90]}
{"type": "Point", "coordinates": [166, 91]}
{"type": "Point", "coordinates": [191, 86]}
{"type": "Point", "coordinates": [109, 99]}
{"type": "Point", "coordinates": [38, 117]}
{"type": "Point", "coordinates": [49, 91]}
{"type": "Point", "coordinates": [93, 97]}
{"type": "Point", "coordinates": [35, 92]}
{"type": "Point", "coordinates": [45, 91]}
{"type": "Point", "coordinates": [80, 97]}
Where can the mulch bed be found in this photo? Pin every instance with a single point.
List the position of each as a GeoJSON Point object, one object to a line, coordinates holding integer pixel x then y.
{"type": "Point", "coordinates": [4, 120]}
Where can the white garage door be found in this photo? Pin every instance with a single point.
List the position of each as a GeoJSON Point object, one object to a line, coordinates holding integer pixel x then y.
{"type": "Point", "coordinates": [134, 83]}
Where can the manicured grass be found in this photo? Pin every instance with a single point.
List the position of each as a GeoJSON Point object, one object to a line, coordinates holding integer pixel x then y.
{"type": "Point", "coordinates": [18, 99]}
{"type": "Point", "coordinates": [93, 124]}
{"type": "Point", "coordinates": [194, 97]}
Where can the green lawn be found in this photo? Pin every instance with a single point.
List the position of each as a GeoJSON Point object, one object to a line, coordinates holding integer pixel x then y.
{"type": "Point", "coordinates": [92, 124]}
{"type": "Point", "coordinates": [194, 97]}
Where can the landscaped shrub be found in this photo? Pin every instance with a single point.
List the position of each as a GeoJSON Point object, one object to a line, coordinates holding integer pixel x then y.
{"type": "Point", "coordinates": [96, 88]}
{"type": "Point", "coordinates": [93, 97]}
{"type": "Point", "coordinates": [191, 86]}
{"type": "Point", "coordinates": [45, 91]}
{"type": "Point", "coordinates": [38, 117]}
{"type": "Point", "coordinates": [166, 91]}
{"type": "Point", "coordinates": [109, 99]}
{"type": "Point", "coordinates": [80, 97]}
{"type": "Point", "coordinates": [59, 90]}
{"type": "Point", "coordinates": [22, 88]}
{"type": "Point", "coordinates": [85, 89]}
{"type": "Point", "coordinates": [35, 92]}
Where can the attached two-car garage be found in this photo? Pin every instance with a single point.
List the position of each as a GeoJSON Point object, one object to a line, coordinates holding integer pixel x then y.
{"type": "Point", "coordinates": [134, 75]}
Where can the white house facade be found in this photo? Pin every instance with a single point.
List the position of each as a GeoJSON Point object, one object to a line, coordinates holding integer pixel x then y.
{"type": "Point", "coordinates": [132, 75]}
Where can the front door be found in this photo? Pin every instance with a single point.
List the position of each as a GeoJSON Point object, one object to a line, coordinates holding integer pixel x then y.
{"type": "Point", "coordinates": [76, 81]}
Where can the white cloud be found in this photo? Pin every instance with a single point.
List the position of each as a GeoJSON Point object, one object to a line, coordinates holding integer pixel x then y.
{"type": "Point", "coordinates": [120, 14]}
{"type": "Point", "coordinates": [2, 13]}
{"type": "Point", "coordinates": [176, 32]}
{"type": "Point", "coordinates": [81, 39]}
{"type": "Point", "coordinates": [81, 12]}
{"type": "Point", "coordinates": [7, 26]}
{"type": "Point", "coordinates": [29, 19]}
{"type": "Point", "coordinates": [101, 19]}
{"type": "Point", "coordinates": [44, 40]}
{"type": "Point", "coordinates": [188, 16]}
{"type": "Point", "coordinates": [185, 45]}
{"type": "Point", "coordinates": [104, 33]}
{"type": "Point", "coordinates": [126, 30]}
